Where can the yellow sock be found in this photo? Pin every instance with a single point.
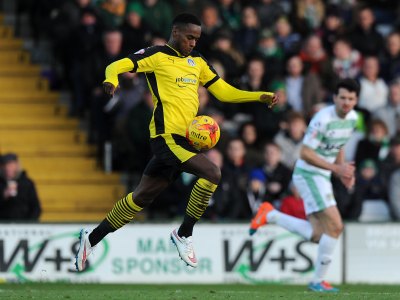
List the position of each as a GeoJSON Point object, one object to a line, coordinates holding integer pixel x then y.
{"type": "Point", "coordinates": [123, 212]}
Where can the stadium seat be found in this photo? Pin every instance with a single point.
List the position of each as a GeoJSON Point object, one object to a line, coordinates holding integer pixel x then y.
{"type": "Point", "coordinates": [14, 57]}
{"type": "Point", "coordinates": [50, 145]}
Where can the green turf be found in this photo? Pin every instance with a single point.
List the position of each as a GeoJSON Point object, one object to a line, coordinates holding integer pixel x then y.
{"type": "Point", "coordinates": [189, 292]}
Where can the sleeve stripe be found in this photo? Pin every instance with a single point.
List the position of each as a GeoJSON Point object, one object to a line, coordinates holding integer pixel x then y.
{"type": "Point", "coordinates": [211, 81]}
{"type": "Point", "coordinates": [135, 66]}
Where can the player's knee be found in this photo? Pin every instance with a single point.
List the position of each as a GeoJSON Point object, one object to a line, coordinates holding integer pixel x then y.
{"type": "Point", "coordinates": [214, 174]}
{"type": "Point", "coordinates": [143, 201]}
{"type": "Point", "coordinates": [338, 229]}
{"type": "Point", "coordinates": [335, 230]}
{"type": "Point", "coordinates": [143, 198]}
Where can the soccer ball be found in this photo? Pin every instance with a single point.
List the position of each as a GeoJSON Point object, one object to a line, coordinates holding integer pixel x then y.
{"type": "Point", "coordinates": [203, 133]}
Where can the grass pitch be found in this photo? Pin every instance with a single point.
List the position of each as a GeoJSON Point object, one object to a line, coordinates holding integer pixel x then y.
{"type": "Point", "coordinates": [190, 292]}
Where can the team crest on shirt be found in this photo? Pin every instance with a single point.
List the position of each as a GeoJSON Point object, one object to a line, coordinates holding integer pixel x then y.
{"type": "Point", "coordinates": [191, 62]}
{"type": "Point", "coordinates": [312, 132]}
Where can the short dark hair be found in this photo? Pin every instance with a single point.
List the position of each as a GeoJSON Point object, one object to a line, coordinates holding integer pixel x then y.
{"type": "Point", "coordinates": [186, 18]}
{"type": "Point", "coordinates": [348, 84]}
{"type": "Point", "coordinates": [8, 157]}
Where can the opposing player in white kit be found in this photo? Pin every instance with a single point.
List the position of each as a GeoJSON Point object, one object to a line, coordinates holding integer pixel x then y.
{"type": "Point", "coordinates": [321, 155]}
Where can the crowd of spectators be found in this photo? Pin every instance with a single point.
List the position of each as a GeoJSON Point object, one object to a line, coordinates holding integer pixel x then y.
{"type": "Point", "coordinates": [297, 49]}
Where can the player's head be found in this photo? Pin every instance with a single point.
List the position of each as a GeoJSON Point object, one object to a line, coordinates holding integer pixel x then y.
{"type": "Point", "coordinates": [186, 31]}
{"type": "Point", "coordinates": [346, 96]}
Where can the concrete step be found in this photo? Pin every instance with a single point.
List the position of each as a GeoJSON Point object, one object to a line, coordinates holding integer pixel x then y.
{"type": "Point", "coordinates": [12, 137]}
{"type": "Point", "coordinates": [77, 216]}
{"type": "Point", "coordinates": [6, 32]}
{"type": "Point", "coordinates": [27, 84]}
{"type": "Point", "coordinates": [34, 122]}
{"type": "Point", "coordinates": [73, 177]}
{"type": "Point", "coordinates": [59, 165]}
{"type": "Point", "coordinates": [11, 44]}
{"type": "Point", "coordinates": [76, 206]}
{"type": "Point", "coordinates": [19, 96]}
{"type": "Point", "coordinates": [32, 109]}
{"type": "Point", "coordinates": [19, 70]}
{"type": "Point", "coordinates": [80, 192]}
{"type": "Point", "coordinates": [49, 150]}
{"type": "Point", "coordinates": [14, 57]}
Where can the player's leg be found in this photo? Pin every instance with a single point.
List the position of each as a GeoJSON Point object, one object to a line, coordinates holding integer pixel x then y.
{"type": "Point", "coordinates": [209, 176]}
{"type": "Point", "coordinates": [332, 226]}
{"type": "Point", "coordinates": [320, 205]}
{"type": "Point", "coordinates": [267, 214]}
{"type": "Point", "coordinates": [125, 209]}
{"type": "Point", "coordinates": [178, 152]}
{"type": "Point", "coordinates": [317, 228]}
{"type": "Point", "coordinates": [317, 194]}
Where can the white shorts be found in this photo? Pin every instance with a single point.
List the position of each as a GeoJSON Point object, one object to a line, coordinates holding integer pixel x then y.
{"type": "Point", "coordinates": [315, 190]}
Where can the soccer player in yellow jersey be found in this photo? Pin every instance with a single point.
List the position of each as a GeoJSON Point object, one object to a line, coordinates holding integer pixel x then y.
{"type": "Point", "coordinates": [174, 72]}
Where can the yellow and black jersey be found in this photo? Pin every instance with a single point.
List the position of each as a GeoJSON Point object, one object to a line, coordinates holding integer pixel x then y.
{"type": "Point", "coordinates": [174, 80]}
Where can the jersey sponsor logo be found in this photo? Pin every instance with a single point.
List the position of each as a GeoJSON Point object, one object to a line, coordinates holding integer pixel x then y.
{"type": "Point", "coordinates": [191, 62]}
{"type": "Point", "coordinates": [330, 147]}
{"type": "Point", "coordinates": [184, 81]}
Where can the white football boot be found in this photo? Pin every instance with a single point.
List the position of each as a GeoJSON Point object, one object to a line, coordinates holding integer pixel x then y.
{"type": "Point", "coordinates": [184, 245]}
{"type": "Point", "coordinates": [85, 249]}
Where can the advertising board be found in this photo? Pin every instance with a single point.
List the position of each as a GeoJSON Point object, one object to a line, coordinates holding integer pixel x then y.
{"type": "Point", "coordinates": [144, 254]}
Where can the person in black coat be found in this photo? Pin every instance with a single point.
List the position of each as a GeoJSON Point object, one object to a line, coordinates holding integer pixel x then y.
{"type": "Point", "coordinates": [18, 197]}
{"type": "Point", "coordinates": [365, 37]}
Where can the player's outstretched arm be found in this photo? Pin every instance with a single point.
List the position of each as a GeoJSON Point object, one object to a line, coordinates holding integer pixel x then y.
{"type": "Point", "coordinates": [226, 93]}
{"type": "Point", "coordinates": [112, 71]}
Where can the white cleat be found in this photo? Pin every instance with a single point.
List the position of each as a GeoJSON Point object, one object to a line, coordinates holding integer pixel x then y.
{"type": "Point", "coordinates": [185, 248]}
{"type": "Point", "coordinates": [85, 249]}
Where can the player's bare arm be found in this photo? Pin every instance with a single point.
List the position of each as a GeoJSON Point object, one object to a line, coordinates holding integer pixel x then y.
{"type": "Point", "coordinates": [343, 169]}
{"type": "Point", "coordinates": [346, 170]}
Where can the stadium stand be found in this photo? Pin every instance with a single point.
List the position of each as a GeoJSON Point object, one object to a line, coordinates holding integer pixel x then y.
{"type": "Point", "coordinates": [51, 147]}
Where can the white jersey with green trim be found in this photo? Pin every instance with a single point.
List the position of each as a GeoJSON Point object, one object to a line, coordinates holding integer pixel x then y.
{"type": "Point", "coordinates": [326, 134]}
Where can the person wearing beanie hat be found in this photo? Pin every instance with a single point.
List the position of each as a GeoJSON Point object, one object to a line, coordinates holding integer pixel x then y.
{"type": "Point", "coordinates": [136, 33]}
{"type": "Point", "coordinates": [136, 7]}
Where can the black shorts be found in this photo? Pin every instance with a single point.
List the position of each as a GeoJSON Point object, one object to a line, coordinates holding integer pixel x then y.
{"type": "Point", "coordinates": [170, 151]}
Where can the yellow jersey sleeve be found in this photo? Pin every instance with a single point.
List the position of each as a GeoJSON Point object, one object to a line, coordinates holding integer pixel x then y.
{"type": "Point", "coordinates": [145, 60]}
{"type": "Point", "coordinates": [224, 92]}
{"type": "Point", "coordinates": [141, 61]}
{"type": "Point", "coordinates": [117, 67]}
{"type": "Point", "coordinates": [207, 75]}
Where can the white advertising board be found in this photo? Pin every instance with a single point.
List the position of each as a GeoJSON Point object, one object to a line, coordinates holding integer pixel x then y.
{"type": "Point", "coordinates": [372, 253]}
{"type": "Point", "coordinates": [144, 254]}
